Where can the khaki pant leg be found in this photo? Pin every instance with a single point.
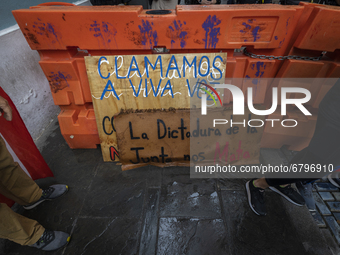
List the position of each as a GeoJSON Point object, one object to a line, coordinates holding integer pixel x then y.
{"type": "Point", "coordinates": [18, 228]}
{"type": "Point", "coordinates": [14, 182]}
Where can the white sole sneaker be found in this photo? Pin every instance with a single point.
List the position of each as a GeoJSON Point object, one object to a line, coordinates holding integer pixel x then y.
{"type": "Point", "coordinates": [331, 180]}
{"type": "Point", "coordinates": [286, 197]}
{"type": "Point", "coordinates": [249, 198]}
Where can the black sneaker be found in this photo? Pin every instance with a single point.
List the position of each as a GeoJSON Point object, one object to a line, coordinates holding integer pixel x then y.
{"type": "Point", "coordinates": [256, 198]}
{"type": "Point", "coordinates": [334, 179]}
{"type": "Point", "coordinates": [52, 240]}
{"type": "Point", "coordinates": [290, 194]}
{"type": "Point", "coordinates": [50, 193]}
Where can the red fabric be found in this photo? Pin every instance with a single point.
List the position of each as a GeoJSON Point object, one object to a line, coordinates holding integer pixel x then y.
{"type": "Point", "coordinates": [21, 142]}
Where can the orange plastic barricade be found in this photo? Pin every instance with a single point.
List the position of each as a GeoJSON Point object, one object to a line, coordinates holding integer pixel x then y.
{"type": "Point", "coordinates": [131, 27]}
{"type": "Point", "coordinates": [64, 34]}
{"type": "Point", "coordinates": [321, 31]}
{"type": "Point", "coordinates": [317, 32]}
{"type": "Point", "coordinates": [295, 139]}
{"type": "Point", "coordinates": [66, 74]}
{"type": "Point", "coordinates": [309, 69]}
{"type": "Point", "coordinates": [64, 79]}
{"type": "Point", "coordinates": [333, 72]}
{"type": "Point", "coordinates": [79, 129]}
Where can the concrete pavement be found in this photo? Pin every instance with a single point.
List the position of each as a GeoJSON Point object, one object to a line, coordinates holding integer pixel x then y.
{"type": "Point", "coordinates": [152, 210]}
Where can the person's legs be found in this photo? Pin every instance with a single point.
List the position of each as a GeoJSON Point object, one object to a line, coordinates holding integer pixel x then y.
{"type": "Point", "coordinates": [324, 148]}
{"type": "Point", "coordinates": [302, 157]}
{"type": "Point", "coordinates": [261, 183]}
{"type": "Point", "coordinates": [255, 196]}
{"type": "Point", "coordinates": [18, 186]}
{"type": "Point", "coordinates": [14, 182]}
{"type": "Point", "coordinates": [255, 188]}
{"type": "Point", "coordinates": [24, 231]}
{"type": "Point", "coordinates": [255, 192]}
{"type": "Point", "coordinates": [18, 228]}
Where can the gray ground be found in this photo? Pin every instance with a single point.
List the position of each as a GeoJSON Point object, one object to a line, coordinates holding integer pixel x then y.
{"type": "Point", "coordinates": [152, 210]}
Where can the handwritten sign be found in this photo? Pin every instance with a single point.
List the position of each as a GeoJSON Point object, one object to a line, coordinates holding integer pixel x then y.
{"type": "Point", "coordinates": [146, 82]}
{"type": "Point", "coordinates": [181, 137]}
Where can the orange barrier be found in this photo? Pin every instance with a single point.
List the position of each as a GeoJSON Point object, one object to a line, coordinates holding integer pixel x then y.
{"type": "Point", "coordinates": [66, 75]}
{"type": "Point", "coordinates": [309, 69]}
{"type": "Point", "coordinates": [295, 138]}
{"type": "Point", "coordinates": [63, 35]}
{"type": "Point", "coordinates": [131, 27]}
{"type": "Point", "coordinates": [79, 129]}
{"type": "Point", "coordinates": [321, 31]}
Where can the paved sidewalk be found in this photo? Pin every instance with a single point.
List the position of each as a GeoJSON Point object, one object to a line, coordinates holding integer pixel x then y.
{"type": "Point", "coordinates": [152, 210]}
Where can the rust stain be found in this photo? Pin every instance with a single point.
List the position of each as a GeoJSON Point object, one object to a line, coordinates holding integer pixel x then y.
{"type": "Point", "coordinates": [55, 87]}
{"type": "Point", "coordinates": [175, 35]}
{"type": "Point", "coordinates": [30, 37]}
{"type": "Point", "coordinates": [133, 36]}
{"type": "Point", "coordinates": [198, 41]}
{"type": "Point", "coordinates": [58, 81]}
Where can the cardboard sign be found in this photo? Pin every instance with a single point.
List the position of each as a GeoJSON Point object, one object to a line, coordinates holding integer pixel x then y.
{"type": "Point", "coordinates": [178, 137]}
{"type": "Point", "coordinates": [146, 82]}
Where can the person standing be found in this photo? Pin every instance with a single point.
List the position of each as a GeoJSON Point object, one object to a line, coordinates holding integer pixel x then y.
{"type": "Point", "coordinates": [323, 149]}
{"type": "Point", "coordinates": [15, 184]}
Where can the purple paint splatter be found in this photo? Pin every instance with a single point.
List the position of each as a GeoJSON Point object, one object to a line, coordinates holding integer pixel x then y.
{"type": "Point", "coordinates": [287, 23]}
{"type": "Point", "coordinates": [51, 30]}
{"type": "Point", "coordinates": [255, 33]}
{"type": "Point", "coordinates": [259, 72]}
{"type": "Point", "coordinates": [260, 67]}
{"type": "Point", "coordinates": [249, 29]}
{"type": "Point", "coordinates": [246, 27]}
{"type": "Point", "coordinates": [281, 43]}
{"type": "Point", "coordinates": [58, 81]}
{"type": "Point", "coordinates": [48, 29]}
{"type": "Point", "coordinates": [105, 31]}
{"type": "Point", "coordinates": [177, 32]}
{"type": "Point", "coordinates": [211, 31]}
{"type": "Point", "coordinates": [148, 36]}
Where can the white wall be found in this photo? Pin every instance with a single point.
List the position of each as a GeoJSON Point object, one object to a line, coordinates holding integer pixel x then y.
{"type": "Point", "coordinates": [23, 80]}
{"type": "Point", "coordinates": [25, 83]}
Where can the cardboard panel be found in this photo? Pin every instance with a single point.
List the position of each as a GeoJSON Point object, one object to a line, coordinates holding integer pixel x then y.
{"type": "Point", "coordinates": [146, 82]}
{"type": "Point", "coordinates": [165, 138]}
